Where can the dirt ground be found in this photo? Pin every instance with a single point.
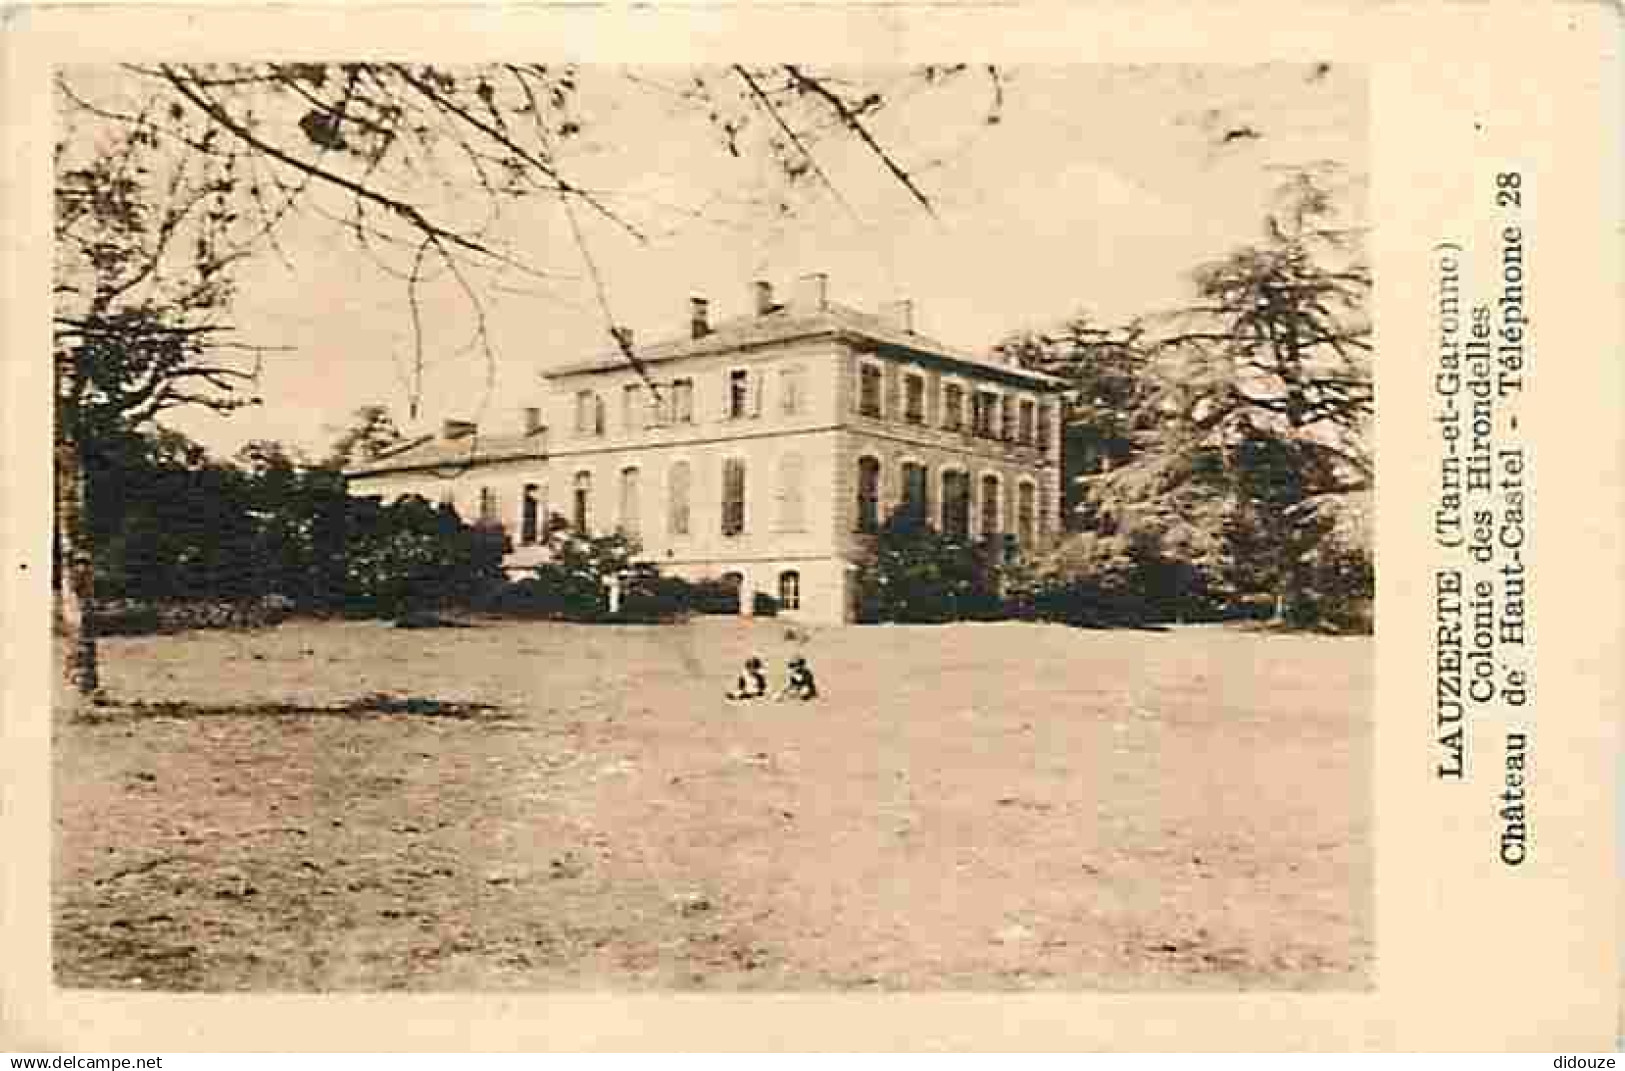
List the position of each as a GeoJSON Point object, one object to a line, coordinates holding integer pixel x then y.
{"type": "Point", "coordinates": [545, 806]}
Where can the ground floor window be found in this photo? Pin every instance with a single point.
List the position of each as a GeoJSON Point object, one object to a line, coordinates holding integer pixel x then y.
{"type": "Point", "coordinates": [868, 494]}
{"type": "Point", "coordinates": [956, 505]}
{"type": "Point", "coordinates": [530, 509]}
{"type": "Point", "coordinates": [733, 496]}
{"type": "Point", "coordinates": [914, 507]}
{"type": "Point", "coordinates": [736, 583]}
{"type": "Point", "coordinates": [789, 590]}
{"type": "Point", "coordinates": [583, 502]}
{"type": "Point", "coordinates": [1026, 500]}
{"type": "Point", "coordinates": [630, 523]}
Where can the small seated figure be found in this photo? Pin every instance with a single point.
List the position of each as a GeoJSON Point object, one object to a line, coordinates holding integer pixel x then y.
{"type": "Point", "coordinates": [752, 683]}
{"type": "Point", "coordinates": [800, 683]}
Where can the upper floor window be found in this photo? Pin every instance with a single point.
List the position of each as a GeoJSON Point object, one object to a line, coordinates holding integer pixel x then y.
{"type": "Point", "coordinates": [682, 401]}
{"type": "Point", "coordinates": [956, 504]}
{"type": "Point", "coordinates": [530, 513]}
{"type": "Point", "coordinates": [589, 413]}
{"type": "Point", "coordinates": [733, 496]}
{"type": "Point", "coordinates": [633, 415]}
{"type": "Point", "coordinates": [1044, 410]}
{"type": "Point", "coordinates": [630, 521]}
{"type": "Point", "coordinates": [914, 398]}
{"type": "Point", "coordinates": [792, 496]}
{"type": "Point", "coordinates": [868, 494]}
{"type": "Point", "coordinates": [743, 399]}
{"type": "Point", "coordinates": [677, 492]}
{"type": "Point", "coordinates": [1007, 419]}
{"type": "Point", "coordinates": [1027, 429]}
{"type": "Point", "coordinates": [871, 385]}
{"type": "Point", "coordinates": [983, 404]}
{"type": "Point", "coordinates": [793, 390]}
{"type": "Point", "coordinates": [582, 502]}
{"type": "Point", "coordinates": [953, 407]}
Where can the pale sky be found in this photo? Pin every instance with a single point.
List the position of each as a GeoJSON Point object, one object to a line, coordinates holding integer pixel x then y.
{"type": "Point", "coordinates": [1099, 191]}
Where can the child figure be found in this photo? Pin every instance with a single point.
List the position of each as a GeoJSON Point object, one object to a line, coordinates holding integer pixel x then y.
{"type": "Point", "coordinates": [800, 683]}
{"type": "Point", "coordinates": [752, 683]}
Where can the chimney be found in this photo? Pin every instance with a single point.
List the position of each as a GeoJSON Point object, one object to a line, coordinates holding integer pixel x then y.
{"type": "Point", "coordinates": [812, 292]}
{"type": "Point", "coordinates": [763, 293]}
{"type": "Point", "coordinates": [699, 319]}
{"type": "Point", "coordinates": [457, 429]}
{"type": "Point", "coordinates": [899, 314]}
{"type": "Point", "coordinates": [530, 419]}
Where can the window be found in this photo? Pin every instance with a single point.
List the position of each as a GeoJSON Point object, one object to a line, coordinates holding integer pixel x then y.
{"type": "Point", "coordinates": [868, 494]}
{"type": "Point", "coordinates": [1027, 429]}
{"type": "Point", "coordinates": [629, 502]}
{"type": "Point", "coordinates": [870, 384]}
{"type": "Point", "coordinates": [789, 590]}
{"type": "Point", "coordinates": [914, 398]}
{"type": "Point", "coordinates": [983, 402]}
{"type": "Point", "coordinates": [582, 514]}
{"type": "Point", "coordinates": [733, 496]}
{"type": "Point", "coordinates": [633, 414]}
{"type": "Point", "coordinates": [913, 507]}
{"type": "Point", "coordinates": [682, 401]}
{"type": "Point", "coordinates": [677, 491]}
{"type": "Point", "coordinates": [1026, 499]}
{"type": "Point", "coordinates": [1043, 426]}
{"type": "Point", "coordinates": [956, 505]}
{"type": "Point", "coordinates": [990, 507]}
{"type": "Point", "coordinates": [1007, 419]}
{"type": "Point", "coordinates": [792, 510]}
{"type": "Point", "coordinates": [953, 407]}
{"type": "Point", "coordinates": [530, 512]}
{"type": "Point", "coordinates": [792, 389]}
{"type": "Point", "coordinates": [742, 401]}
{"type": "Point", "coordinates": [488, 507]}
{"type": "Point", "coordinates": [589, 413]}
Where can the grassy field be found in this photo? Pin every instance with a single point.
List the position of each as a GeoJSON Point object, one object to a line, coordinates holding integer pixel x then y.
{"type": "Point", "coordinates": [545, 806]}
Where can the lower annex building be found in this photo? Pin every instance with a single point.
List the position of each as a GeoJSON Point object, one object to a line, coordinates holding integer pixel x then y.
{"type": "Point", "coordinates": [763, 449]}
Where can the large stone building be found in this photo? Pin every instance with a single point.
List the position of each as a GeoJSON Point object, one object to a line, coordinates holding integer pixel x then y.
{"type": "Point", "coordinates": [761, 449]}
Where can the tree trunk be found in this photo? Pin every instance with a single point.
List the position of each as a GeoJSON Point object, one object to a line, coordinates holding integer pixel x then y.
{"type": "Point", "coordinates": [76, 589]}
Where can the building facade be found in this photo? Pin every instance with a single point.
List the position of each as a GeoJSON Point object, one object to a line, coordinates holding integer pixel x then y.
{"type": "Point", "coordinates": [763, 449]}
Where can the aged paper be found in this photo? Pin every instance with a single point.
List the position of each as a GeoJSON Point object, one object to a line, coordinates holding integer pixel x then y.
{"type": "Point", "coordinates": [1493, 211]}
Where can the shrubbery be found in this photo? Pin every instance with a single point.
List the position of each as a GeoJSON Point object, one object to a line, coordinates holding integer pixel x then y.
{"type": "Point", "coordinates": [409, 556]}
{"type": "Point", "coordinates": [1097, 580]}
{"type": "Point", "coordinates": [574, 582]}
{"type": "Point", "coordinates": [916, 574]}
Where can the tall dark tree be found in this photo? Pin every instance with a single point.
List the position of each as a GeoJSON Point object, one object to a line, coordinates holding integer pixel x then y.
{"type": "Point", "coordinates": [372, 431]}
{"type": "Point", "coordinates": [1104, 368]}
{"type": "Point", "coordinates": [143, 250]}
{"type": "Point", "coordinates": [1252, 443]}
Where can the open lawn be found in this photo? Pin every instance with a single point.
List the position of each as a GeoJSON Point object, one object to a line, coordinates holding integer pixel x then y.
{"type": "Point", "coordinates": [536, 806]}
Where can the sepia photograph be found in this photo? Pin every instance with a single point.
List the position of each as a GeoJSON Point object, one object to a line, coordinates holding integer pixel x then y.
{"type": "Point", "coordinates": [759, 527]}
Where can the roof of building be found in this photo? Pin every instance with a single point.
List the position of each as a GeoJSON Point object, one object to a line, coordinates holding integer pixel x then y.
{"type": "Point", "coordinates": [783, 324]}
{"type": "Point", "coordinates": [438, 452]}
{"type": "Point", "coordinates": [788, 322]}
